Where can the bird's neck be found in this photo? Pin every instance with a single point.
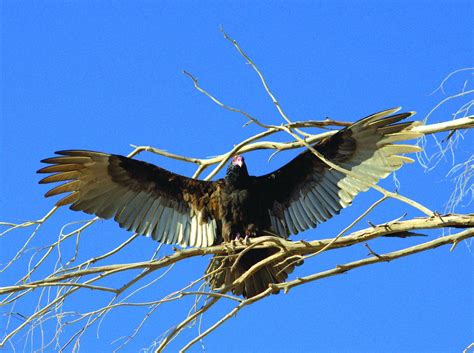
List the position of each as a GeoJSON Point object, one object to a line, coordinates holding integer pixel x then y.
{"type": "Point", "coordinates": [237, 177]}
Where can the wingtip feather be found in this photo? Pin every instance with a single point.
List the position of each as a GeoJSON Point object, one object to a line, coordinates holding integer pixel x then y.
{"type": "Point", "coordinates": [71, 186]}
{"type": "Point", "coordinates": [81, 153]}
{"type": "Point", "coordinates": [68, 199]}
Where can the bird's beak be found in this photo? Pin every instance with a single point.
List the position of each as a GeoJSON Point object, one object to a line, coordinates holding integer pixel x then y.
{"type": "Point", "coordinates": [239, 163]}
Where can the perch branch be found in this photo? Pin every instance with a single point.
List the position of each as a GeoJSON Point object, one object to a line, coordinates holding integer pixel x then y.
{"type": "Point", "coordinates": [297, 247]}
{"type": "Point", "coordinates": [339, 269]}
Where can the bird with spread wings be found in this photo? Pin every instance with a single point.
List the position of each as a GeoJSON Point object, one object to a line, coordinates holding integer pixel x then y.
{"type": "Point", "coordinates": [175, 209]}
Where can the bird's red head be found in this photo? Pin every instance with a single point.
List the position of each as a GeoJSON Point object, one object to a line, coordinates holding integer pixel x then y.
{"type": "Point", "coordinates": [238, 160]}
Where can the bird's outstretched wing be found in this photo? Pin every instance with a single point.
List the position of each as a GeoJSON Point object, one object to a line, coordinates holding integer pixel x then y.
{"type": "Point", "coordinates": [141, 197]}
{"type": "Point", "coordinates": [307, 191]}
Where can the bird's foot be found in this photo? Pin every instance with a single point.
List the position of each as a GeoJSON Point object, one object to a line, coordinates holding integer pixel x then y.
{"type": "Point", "coordinates": [249, 234]}
{"type": "Point", "coordinates": [238, 239]}
{"type": "Point", "coordinates": [242, 240]}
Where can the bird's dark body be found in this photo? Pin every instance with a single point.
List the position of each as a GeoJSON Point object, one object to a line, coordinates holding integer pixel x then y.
{"type": "Point", "coordinates": [174, 209]}
{"type": "Point", "coordinates": [241, 209]}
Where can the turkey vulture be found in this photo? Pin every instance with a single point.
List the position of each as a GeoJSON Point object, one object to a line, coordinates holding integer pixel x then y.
{"type": "Point", "coordinates": [175, 209]}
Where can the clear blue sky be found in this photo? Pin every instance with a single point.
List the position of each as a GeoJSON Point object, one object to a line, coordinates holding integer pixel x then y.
{"type": "Point", "coordinates": [102, 75]}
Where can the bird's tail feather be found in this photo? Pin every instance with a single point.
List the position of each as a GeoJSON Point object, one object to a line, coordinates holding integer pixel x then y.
{"type": "Point", "coordinates": [224, 271]}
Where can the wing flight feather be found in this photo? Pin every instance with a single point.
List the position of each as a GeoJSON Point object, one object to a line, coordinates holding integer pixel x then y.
{"type": "Point", "coordinates": [306, 191]}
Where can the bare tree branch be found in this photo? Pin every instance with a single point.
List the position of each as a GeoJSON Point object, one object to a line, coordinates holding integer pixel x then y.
{"type": "Point", "coordinates": [339, 269]}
